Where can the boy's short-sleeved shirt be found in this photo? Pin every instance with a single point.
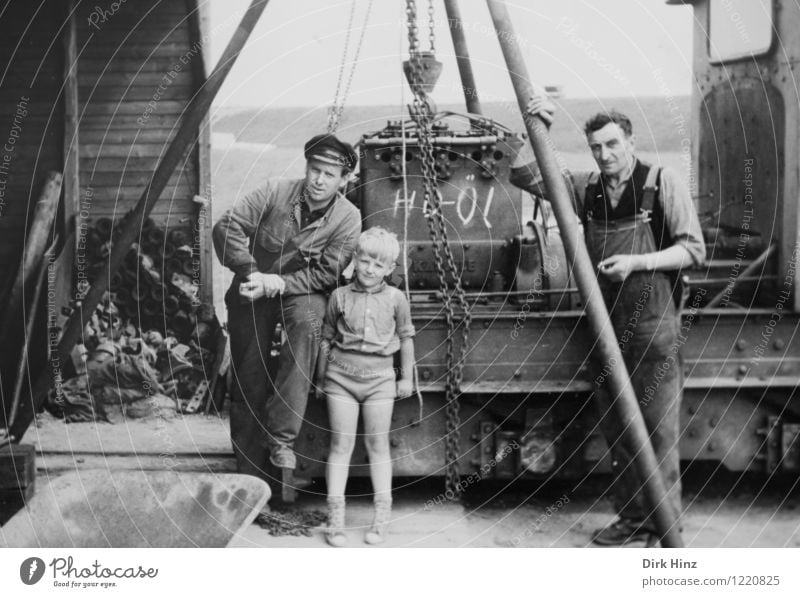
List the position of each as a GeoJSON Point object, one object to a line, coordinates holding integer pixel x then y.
{"type": "Point", "coordinates": [372, 322]}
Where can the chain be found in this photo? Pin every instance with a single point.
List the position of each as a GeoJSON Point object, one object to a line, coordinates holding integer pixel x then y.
{"type": "Point", "coordinates": [337, 106]}
{"type": "Point", "coordinates": [423, 115]}
{"type": "Point", "coordinates": [431, 23]}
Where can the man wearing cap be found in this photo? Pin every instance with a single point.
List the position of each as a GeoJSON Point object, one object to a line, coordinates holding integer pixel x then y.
{"type": "Point", "coordinates": [287, 242]}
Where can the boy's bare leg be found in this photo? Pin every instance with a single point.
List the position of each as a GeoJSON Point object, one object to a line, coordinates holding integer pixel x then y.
{"type": "Point", "coordinates": [377, 421]}
{"type": "Point", "coordinates": [343, 416]}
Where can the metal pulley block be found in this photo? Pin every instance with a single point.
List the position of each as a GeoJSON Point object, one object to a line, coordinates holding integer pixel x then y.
{"type": "Point", "coordinates": [428, 71]}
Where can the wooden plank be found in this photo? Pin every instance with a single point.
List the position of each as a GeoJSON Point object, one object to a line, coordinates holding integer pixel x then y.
{"type": "Point", "coordinates": [110, 196]}
{"type": "Point", "coordinates": [163, 107]}
{"type": "Point", "coordinates": [139, 34]}
{"type": "Point", "coordinates": [197, 24]}
{"type": "Point", "coordinates": [56, 462]}
{"type": "Point", "coordinates": [147, 64]}
{"type": "Point", "coordinates": [137, 94]}
{"type": "Point", "coordinates": [163, 50]}
{"type": "Point", "coordinates": [119, 164]}
{"type": "Point", "coordinates": [71, 183]}
{"type": "Point", "coordinates": [129, 122]}
{"type": "Point", "coordinates": [126, 178]}
{"type": "Point", "coordinates": [144, 79]}
{"type": "Point", "coordinates": [134, 150]}
{"type": "Point", "coordinates": [116, 136]}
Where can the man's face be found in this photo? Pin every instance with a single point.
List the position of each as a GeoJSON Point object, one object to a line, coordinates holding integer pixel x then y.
{"type": "Point", "coordinates": [612, 149]}
{"type": "Point", "coordinates": [322, 181]}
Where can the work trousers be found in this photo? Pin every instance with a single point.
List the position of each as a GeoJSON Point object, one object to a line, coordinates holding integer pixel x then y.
{"type": "Point", "coordinates": [646, 324]}
{"type": "Point", "coordinates": [657, 384]}
{"type": "Point", "coordinates": [267, 412]}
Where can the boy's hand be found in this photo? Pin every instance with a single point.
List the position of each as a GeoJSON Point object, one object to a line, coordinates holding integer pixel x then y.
{"type": "Point", "coordinates": [404, 388]}
{"type": "Point", "coordinates": [318, 393]}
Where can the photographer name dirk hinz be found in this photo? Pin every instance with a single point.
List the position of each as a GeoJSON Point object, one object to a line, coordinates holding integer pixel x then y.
{"type": "Point", "coordinates": [673, 563]}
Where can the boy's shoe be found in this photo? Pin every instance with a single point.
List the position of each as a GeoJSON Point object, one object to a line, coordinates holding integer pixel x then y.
{"type": "Point", "coordinates": [622, 532]}
{"type": "Point", "coordinates": [334, 534]}
{"type": "Point", "coordinates": [377, 532]}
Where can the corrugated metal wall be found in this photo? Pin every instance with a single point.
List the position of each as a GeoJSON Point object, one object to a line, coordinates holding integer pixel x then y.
{"type": "Point", "coordinates": [136, 73]}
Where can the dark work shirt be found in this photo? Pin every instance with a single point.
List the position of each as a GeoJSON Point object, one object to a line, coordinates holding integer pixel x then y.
{"type": "Point", "coordinates": [309, 217]}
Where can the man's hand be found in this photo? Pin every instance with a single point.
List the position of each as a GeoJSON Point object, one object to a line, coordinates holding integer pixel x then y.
{"type": "Point", "coordinates": [404, 388]}
{"type": "Point", "coordinates": [259, 285]}
{"type": "Point", "coordinates": [619, 267]}
{"type": "Point", "coordinates": [541, 106]}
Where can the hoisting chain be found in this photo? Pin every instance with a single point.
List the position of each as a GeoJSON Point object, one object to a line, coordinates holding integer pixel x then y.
{"type": "Point", "coordinates": [423, 116]}
{"type": "Point", "coordinates": [339, 96]}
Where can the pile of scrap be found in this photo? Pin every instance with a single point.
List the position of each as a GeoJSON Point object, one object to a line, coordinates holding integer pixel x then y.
{"type": "Point", "coordinates": [151, 348]}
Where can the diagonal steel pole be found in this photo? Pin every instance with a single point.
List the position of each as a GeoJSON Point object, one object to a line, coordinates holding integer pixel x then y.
{"type": "Point", "coordinates": [625, 404]}
{"type": "Point", "coordinates": [184, 138]}
{"type": "Point", "coordinates": [456, 26]}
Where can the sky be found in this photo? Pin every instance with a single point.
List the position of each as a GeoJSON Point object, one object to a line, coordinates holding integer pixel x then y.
{"type": "Point", "coordinates": [591, 48]}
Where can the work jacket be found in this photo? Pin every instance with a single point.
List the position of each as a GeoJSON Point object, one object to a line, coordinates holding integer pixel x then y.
{"type": "Point", "coordinates": [262, 232]}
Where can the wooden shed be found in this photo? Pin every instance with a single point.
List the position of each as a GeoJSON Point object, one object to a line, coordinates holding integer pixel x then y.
{"type": "Point", "coordinates": [95, 91]}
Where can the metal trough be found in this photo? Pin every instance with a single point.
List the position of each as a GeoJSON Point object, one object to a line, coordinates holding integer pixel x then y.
{"type": "Point", "coordinates": [100, 508]}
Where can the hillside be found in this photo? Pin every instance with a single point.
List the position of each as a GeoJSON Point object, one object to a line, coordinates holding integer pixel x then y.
{"type": "Point", "coordinates": [661, 124]}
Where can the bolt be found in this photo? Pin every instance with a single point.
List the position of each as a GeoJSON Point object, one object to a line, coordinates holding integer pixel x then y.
{"type": "Point", "coordinates": [712, 445]}
{"type": "Point", "coordinates": [426, 375]}
{"type": "Point", "coordinates": [488, 449]}
{"type": "Point", "coordinates": [692, 409]}
{"type": "Point", "coordinates": [303, 466]}
{"type": "Point", "coordinates": [518, 373]}
{"type": "Point", "coordinates": [712, 422]}
{"type": "Point", "coordinates": [779, 344]}
{"type": "Point", "coordinates": [394, 442]}
{"type": "Point", "coordinates": [466, 246]}
{"type": "Point", "coordinates": [486, 324]}
{"type": "Point", "coordinates": [740, 344]}
{"type": "Point", "coordinates": [691, 433]}
{"type": "Point", "coordinates": [742, 369]}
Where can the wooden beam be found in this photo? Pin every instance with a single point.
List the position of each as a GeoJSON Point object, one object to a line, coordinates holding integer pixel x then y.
{"type": "Point", "coordinates": [198, 23]}
{"type": "Point", "coordinates": [71, 174]}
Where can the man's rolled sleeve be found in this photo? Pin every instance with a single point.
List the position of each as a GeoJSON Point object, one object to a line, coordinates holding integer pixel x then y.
{"type": "Point", "coordinates": [237, 226]}
{"type": "Point", "coordinates": [404, 327]}
{"type": "Point", "coordinates": [323, 275]}
{"type": "Point", "coordinates": [681, 216]}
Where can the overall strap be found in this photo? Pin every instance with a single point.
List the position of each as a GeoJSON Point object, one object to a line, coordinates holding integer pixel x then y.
{"type": "Point", "coordinates": [650, 188]}
{"type": "Point", "coordinates": [591, 186]}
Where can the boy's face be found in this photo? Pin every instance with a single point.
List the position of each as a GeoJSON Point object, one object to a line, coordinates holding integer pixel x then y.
{"type": "Point", "coordinates": [371, 271]}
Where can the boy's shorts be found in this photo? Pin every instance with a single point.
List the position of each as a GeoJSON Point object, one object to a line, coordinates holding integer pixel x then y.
{"type": "Point", "coordinates": [359, 375]}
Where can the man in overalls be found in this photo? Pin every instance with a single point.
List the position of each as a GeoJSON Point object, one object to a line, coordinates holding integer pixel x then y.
{"type": "Point", "coordinates": [641, 229]}
{"type": "Point", "coordinates": [288, 242]}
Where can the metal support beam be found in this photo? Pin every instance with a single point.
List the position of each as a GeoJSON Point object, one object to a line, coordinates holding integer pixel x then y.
{"type": "Point", "coordinates": [186, 136]}
{"type": "Point", "coordinates": [462, 56]}
{"type": "Point", "coordinates": [625, 404]}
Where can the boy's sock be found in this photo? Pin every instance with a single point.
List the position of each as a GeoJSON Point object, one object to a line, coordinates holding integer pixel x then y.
{"type": "Point", "coordinates": [383, 511]}
{"type": "Point", "coordinates": [334, 534]}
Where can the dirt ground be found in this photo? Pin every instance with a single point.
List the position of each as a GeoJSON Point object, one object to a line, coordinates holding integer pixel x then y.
{"type": "Point", "coordinates": [723, 509]}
